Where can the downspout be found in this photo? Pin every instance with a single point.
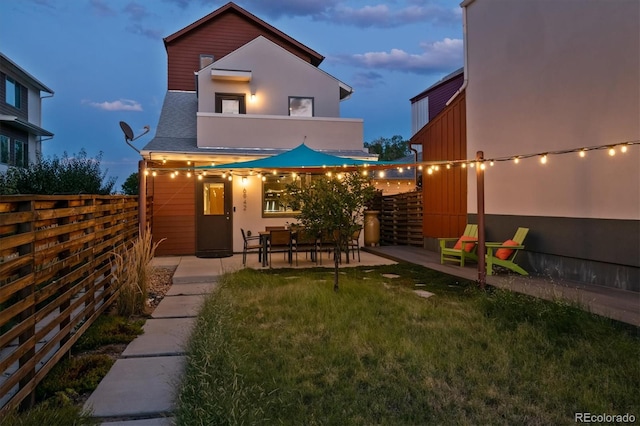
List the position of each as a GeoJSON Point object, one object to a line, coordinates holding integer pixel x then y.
{"type": "Point", "coordinates": [415, 160]}
{"type": "Point", "coordinates": [465, 54]}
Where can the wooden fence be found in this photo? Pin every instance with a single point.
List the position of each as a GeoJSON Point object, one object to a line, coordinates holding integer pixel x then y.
{"type": "Point", "coordinates": [401, 219]}
{"type": "Point", "coordinates": [55, 279]}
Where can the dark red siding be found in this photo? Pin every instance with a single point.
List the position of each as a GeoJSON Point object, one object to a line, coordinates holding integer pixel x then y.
{"type": "Point", "coordinates": [173, 214]}
{"type": "Point", "coordinates": [218, 37]}
{"type": "Point", "coordinates": [439, 96]}
{"type": "Point", "coordinates": [444, 193]}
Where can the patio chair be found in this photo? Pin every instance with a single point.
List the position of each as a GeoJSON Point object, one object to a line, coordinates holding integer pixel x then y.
{"type": "Point", "coordinates": [279, 242]}
{"type": "Point", "coordinates": [304, 241]}
{"type": "Point", "coordinates": [464, 249]}
{"type": "Point", "coordinates": [354, 243]}
{"type": "Point", "coordinates": [504, 254]}
{"type": "Point", "coordinates": [251, 243]}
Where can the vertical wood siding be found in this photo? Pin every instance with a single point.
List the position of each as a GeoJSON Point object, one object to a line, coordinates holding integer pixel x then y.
{"type": "Point", "coordinates": [444, 193]}
{"type": "Point", "coordinates": [173, 214]}
{"type": "Point", "coordinates": [218, 37]}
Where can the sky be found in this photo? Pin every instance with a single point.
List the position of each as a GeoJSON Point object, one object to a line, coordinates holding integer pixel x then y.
{"type": "Point", "coordinates": [105, 60]}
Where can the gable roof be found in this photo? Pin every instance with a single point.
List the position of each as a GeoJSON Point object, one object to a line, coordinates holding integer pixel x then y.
{"type": "Point", "coordinates": [231, 7]}
{"type": "Point", "coordinates": [440, 82]}
{"type": "Point", "coordinates": [26, 78]}
{"type": "Point", "coordinates": [265, 43]}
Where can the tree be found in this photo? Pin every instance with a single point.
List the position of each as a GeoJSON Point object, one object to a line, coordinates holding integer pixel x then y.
{"type": "Point", "coordinates": [332, 206]}
{"type": "Point", "coordinates": [131, 186]}
{"type": "Point", "coordinates": [389, 149]}
{"type": "Point", "coordinates": [78, 174]}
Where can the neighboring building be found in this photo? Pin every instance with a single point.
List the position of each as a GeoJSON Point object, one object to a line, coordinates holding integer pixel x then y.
{"type": "Point", "coordinates": [541, 79]}
{"type": "Point", "coordinates": [238, 89]}
{"type": "Point", "coordinates": [21, 134]}
{"type": "Point", "coordinates": [438, 120]}
{"type": "Point", "coordinates": [429, 103]}
{"type": "Point", "coordinates": [397, 180]}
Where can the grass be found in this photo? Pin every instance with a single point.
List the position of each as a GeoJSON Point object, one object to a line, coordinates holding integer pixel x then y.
{"type": "Point", "coordinates": [282, 347]}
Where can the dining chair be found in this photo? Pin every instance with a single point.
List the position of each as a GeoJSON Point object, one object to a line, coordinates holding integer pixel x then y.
{"type": "Point", "coordinates": [251, 243]}
{"type": "Point", "coordinates": [279, 241]}
{"type": "Point", "coordinates": [354, 243]}
{"type": "Point", "coordinates": [306, 242]}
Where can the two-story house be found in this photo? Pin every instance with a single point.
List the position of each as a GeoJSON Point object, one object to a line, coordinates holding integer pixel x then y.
{"type": "Point", "coordinates": [238, 89]}
{"type": "Point", "coordinates": [21, 134]}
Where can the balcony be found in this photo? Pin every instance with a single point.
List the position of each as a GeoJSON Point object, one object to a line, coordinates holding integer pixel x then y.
{"type": "Point", "coordinates": [273, 131]}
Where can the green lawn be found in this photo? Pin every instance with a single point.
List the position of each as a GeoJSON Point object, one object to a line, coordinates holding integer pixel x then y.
{"type": "Point", "coordinates": [282, 347]}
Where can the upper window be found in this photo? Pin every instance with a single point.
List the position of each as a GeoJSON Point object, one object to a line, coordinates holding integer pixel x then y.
{"type": "Point", "coordinates": [12, 91]}
{"type": "Point", "coordinates": [230, 103]}
{"type": "Point", "coordinates": [300, 107]}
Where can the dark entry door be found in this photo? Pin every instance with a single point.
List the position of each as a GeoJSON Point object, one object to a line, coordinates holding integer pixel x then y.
{"type": "Point", "coordinates": [214, 219]}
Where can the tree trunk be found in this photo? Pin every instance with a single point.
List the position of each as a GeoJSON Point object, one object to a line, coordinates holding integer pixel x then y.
{"type": "Point", "coordinates": [336, 266]}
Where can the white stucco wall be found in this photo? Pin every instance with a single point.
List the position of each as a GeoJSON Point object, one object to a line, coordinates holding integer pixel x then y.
{"type": "Point", "coordinates": [546, 75]}
{"type": "Point", "coordinates": [276, 75]}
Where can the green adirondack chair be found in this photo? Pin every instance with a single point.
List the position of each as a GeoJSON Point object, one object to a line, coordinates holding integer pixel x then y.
{"type": "Point", "coordinates": [466, 250]}
{"type": "Point", "coordinates": [504, 254]}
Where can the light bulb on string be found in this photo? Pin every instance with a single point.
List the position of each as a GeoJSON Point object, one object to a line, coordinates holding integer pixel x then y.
{"type": "Point", "coordinates": [543, 159]}
{"type": "Point", "coordinates": [612, 151]}
{"type": "Point", "coordinates": [516, 160]}
{"type": "Point", "coordinates": [623, 149]}
{"type": "Point", "coordinates": [582, 153]}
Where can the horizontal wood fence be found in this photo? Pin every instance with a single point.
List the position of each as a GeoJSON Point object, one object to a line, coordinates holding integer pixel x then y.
{"type": "Point", "coordinates": [55, 279]}
{"type": "Point", "coordinates": [401, 219]}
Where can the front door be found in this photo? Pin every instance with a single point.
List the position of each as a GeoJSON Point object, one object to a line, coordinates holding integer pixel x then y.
{"type": "Point", "coordinates": [214, 220]}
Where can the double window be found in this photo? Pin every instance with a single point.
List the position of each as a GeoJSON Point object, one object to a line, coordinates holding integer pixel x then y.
{"type": "Point", "coordinates": [276, 200]}
{"type": "Point", "coordinates": [14, 154]}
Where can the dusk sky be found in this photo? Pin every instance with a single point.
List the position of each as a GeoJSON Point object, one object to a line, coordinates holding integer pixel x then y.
{"type": "Point", "coordinates": [105, 60]}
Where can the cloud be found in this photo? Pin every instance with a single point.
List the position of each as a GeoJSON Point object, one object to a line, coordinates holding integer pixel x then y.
{"type": "Point", "coordinates": [444, 55]}
{"type": "Point", "coordinates": [101, 8]}
{"type": "Point", "coordinates": [382, 16]}
{"type": "Point", "coordinates": [135, 11]}
{"type": "Point", "coordinates": [367, 79]}
{"type": "Point", "coordinates": [152, 33]}
{"type": "Point", "coordinates": [337, 12]}
{"type": "Point", "coordinates": [119, 105]}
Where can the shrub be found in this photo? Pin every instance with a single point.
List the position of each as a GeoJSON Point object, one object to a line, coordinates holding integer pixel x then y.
{"type": "Point", "coordinates": [77, 174]}
{"type": "Point", "coordinates": [130, 273]}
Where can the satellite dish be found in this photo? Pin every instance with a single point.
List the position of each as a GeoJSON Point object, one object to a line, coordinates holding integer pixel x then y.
{"type": "Point", "coordinates": [128, 133]}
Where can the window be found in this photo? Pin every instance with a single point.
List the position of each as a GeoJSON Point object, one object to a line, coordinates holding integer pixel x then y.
{"type": "Point", "coordinates": [4, 149]}
{"type": "Point", "coordinates": [300, 107]}
{"type": "Point", "coordinates": [12, 91]}
{"type": "Point", "coordinates": [230, 103]}
{"type": "Point", "coordinates": [213, 197]}
{"type": "Point", "coordinates": [20, 153]}
{"type": "Point", "coordinates": [275, 198]}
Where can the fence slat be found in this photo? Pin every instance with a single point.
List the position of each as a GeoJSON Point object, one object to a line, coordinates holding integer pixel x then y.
{"type": "Point", "coordinates": [55, 256]}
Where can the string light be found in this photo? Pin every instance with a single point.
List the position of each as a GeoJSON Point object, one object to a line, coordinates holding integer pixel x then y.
{"type": "Point", "coordinates": [612, 149]}
{"type": "Point", "coordinates": [154, 174]}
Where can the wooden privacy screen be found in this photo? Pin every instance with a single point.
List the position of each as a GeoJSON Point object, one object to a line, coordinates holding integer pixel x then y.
{"type": "Point", "coordinates": [55, 279]}
{"type": "Point", "coordinates": [401, 219]}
